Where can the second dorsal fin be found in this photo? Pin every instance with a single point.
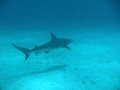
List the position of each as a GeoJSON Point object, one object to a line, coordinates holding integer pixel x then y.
{"type": "Point", "coordinates": [46, 52]}
{"type": "Point", "coordinates": [53, 36]}
{"type": "Point", "coordinates": [35, 46]}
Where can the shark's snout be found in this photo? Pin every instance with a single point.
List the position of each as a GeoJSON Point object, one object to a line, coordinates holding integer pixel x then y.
{"type": "Point", "coordinates": [69, 41]}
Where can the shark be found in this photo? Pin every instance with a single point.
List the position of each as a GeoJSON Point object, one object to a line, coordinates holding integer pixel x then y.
{"type": "Point", "coordinates": [54, 43]}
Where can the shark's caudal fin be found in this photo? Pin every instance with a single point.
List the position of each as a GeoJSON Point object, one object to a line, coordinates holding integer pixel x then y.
{"type": "Point", "coordinates": [24, 50]}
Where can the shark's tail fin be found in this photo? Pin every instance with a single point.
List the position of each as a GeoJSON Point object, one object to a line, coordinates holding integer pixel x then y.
{"type": "Point", "coordinates": [24, 50]}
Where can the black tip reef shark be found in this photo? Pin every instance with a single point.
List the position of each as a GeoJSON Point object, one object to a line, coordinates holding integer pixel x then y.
{"type": "Point", "coordinates": [53, 44]}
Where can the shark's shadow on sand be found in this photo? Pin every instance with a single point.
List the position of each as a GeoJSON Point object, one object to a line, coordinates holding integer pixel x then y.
{"type": "Point", "coordinates": [50, 69]}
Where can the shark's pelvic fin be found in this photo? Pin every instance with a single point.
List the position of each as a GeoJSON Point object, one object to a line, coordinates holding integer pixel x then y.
{"type": "Point", "coordinates": [24, 50]}
{"type": "Point", "coordinates": [67, 47]}
{"type": "Point", "coordinates": [53, 36]}
{"type": "Point", "coordinates": [36, 53]}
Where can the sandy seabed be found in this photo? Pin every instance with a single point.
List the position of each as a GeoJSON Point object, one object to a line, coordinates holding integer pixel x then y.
{"type": "Point", "coordinates": [93, 63]}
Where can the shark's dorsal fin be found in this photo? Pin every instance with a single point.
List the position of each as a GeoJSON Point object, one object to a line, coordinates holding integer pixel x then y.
{"type": "Point", "coordinates": [53, 36]}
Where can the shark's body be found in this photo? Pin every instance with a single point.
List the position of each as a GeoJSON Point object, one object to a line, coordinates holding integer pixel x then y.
{"type": "Point", "coordinates": [53, 44]}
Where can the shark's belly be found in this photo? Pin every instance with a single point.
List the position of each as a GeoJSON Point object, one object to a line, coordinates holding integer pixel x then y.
{"type": "Point", "coordinates": [44, 49]}
{"type": "Point", "coordinates": [47, 47]}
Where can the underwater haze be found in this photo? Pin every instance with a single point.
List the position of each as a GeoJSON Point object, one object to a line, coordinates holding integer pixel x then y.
{"type": "Point", "coordinates": [60, 13]}
{"type": "Point", "coordinates": [83, 46]}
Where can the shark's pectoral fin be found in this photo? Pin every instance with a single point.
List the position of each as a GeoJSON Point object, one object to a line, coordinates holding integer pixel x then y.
{"type": "Point", "coordinates": [67, 47]}
{"type": "Point", "coordinates": [46, 52]}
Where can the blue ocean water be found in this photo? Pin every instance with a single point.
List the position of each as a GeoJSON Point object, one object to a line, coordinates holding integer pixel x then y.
{"type": "Point", "coordinates": [54, 14]}
{"type": "Point", "coordinates": [91, 64]}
